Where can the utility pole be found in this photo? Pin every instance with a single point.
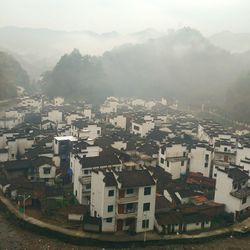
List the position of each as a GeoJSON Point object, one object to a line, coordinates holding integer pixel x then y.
{"type": "Point", "coordinates": [24, 200]}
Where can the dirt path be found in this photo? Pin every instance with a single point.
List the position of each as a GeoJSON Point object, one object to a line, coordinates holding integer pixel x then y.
{"type": "Point", "coordinates": [13, 237]}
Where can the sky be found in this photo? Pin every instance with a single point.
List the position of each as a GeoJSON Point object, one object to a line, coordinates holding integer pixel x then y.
{"type": "Point", "coordinates": [125, 16]}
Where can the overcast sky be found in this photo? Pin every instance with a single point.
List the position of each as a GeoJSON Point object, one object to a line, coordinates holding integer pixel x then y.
{"type": "Point", "coordinates": [124, 16]}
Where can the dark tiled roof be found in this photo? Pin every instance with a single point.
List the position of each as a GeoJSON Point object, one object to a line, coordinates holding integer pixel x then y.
{"type": "Point", "coordinates": [135, 178]}
{"type": "Point", "coordinates": [104, 159]}
{"type": "Point", "coordinates": [17, 165]}
{"type": "Point", "coordinates": [42, 160]}
{"type": "Point", "coordinates": [237, 174]}
{"type": "Point", "coordinates": [109, 179]}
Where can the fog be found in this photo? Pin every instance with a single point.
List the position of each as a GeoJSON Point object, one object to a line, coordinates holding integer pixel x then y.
{"type": "Point", "coordinates": [148, 48]}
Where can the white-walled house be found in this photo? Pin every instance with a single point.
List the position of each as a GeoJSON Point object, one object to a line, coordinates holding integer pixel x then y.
{"type": "Point", "coordinates": [124, 200]}
{"type": "Point", "coordinates": [119, 121]}
{"type": "Point", "coordinates": [201, 156]}
{"type": "Point", "coordinates": [233, 191]}
{"type": "Point", "coordinates": [55, 116]}
{"type": "Point", "coordinates": [142, 127]}
{"type": "Point", "coordinates": [17, 146]}
{"type": "Point", "coordinates": [173, 158]}
{"type": "Point", "coordinates": [109, 106]}
{"type": "Point", "coordinates": [4, 155]}
{"type": "Point", "coordinates": [83, 166]}
{"type": "Point", "coordinates": [84, 129]}
{"type": "Point", "coordinates": [242, 152]}
{"type": "Point", "coordinates": [138, 102]}
{"type": "Point", "coordinates": [58, 101]}
{"type": "Point", "coordinates": [43, 170]}
{"type": "Point", "coordinates": [87, 112]}
{"type": "Point", "coordinates": [72, 117]}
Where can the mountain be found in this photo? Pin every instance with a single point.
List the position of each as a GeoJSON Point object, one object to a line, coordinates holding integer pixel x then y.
{"type": "Point", "coordinates": [234, 42]}
{"type": "Point", "coordinates": [39, 50]}
{"type": "Point", "coordinates": [238, 99]}
{"type": "Point", "coordinates": [74, 77]}
{"type": "Point", "coordinates": [11, 76]}
{"type": "Point", "coordinates": [182, 65]}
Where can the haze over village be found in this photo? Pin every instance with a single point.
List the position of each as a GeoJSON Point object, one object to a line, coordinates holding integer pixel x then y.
{"type": "Point", "coordinates": [124, 124]}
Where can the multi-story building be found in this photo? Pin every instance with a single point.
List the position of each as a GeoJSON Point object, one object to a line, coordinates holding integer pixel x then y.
{"type": "Point", "coordinates": [173, 158]}
{"type": "Point", "coordinates": [142, 127]}
{"type": "Point", "coordinates": [201, 159]}
{"type": "Point", "coordinates": [232, 190]}
{"type": "Point", "coordinates": [84, 129]}
{"type": "Point", "coordinates": [124, 200]}
{"type": "Point", "coordinates": [82, 166]}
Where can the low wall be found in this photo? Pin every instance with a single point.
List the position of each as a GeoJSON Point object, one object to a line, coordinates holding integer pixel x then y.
{"type": "Point", "coordinates": [111, 240]}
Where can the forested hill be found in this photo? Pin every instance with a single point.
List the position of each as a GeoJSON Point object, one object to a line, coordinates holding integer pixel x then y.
{"type": "Point", "coordinates": [76, 77]}
{"type": "Point", "coordinates": [182, 65]}
{"type": "Point", "coordinates": [238, 99]}
{"type": "Point", "coordinates": [11, 76]}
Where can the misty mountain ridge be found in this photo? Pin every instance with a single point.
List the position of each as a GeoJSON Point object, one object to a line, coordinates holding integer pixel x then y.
{"type": "Point", "coordinates": [234, 42]}
{"type": "Point", "coordinates": [40, 49]}
{"type": "Point", "coordinates": [182, 64]}
{"type": "Point", "coordinates": [12, 75]}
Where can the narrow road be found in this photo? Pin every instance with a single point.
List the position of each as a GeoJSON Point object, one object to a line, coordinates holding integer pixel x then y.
{"type": "Point", "coordinates": [13, 237]}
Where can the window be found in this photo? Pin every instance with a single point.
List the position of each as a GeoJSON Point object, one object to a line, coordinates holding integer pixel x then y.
{"type": "Point", "coordinates": [146, 207]}
{"type": "Point", "coordinates": [110, 208]}
{"type": "Point", "coordinates": [206, 157]}
{"type": "Point", "coordinates": [206, 164]}
{"type": "Point", "coordinates": [162, 151]}
{"type": "Point", "coordinates": [167, 163]}
{"type": "Point", "coordinates": [182, 163]}
{"type": "Point", "coordinates": [46, 170]}
{"type": "Point", "coordinates": [109, 220]}
{"type": "Point", "coordinates": [147, 190]}
{"type": "Point", "coordinates": [111, 193]}
{"type": "Point", "coordinates": [145, 224]}
{"type": "Point", "coordinates": [127, 222]}
{"type": "Point", "coordinates": [136, 128]}
{"type": "Point", "coordinates": [225, 149]}
{"type": "Point", "coordinates": [88, 186]}
{"type": "Point", "coordinates": [98, 132]}
{"type": "Point", "coordinates": [184, 154]}
{"type": "Point", "coordinates": [85, 171]}
{"type": "Point", "coordinates": [130, 191]}
{"type": "Point", "coordinates": [162, 160]}
{"type": "Point", "coordinates": [244, 200]}
{"type": "Point", "coordinates": [130, 206]}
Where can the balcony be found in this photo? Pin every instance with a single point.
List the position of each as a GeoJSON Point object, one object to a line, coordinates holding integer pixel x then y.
{"type": "Point", "coordinates": [127, 214]}
{"type": "Point", "coordinates": [128, 199]}
{"type": "Point", "coordinates": [240, 194]}
{"type": "Point", "coordinates": [85, 180]}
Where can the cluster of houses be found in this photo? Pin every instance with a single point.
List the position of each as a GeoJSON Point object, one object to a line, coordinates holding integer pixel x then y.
{"type": "Point", "coordinates": [134, 165]}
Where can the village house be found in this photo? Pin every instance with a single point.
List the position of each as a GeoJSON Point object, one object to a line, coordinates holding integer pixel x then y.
{"type": "Point", "coordinates": [173, 158]}
{"type": "Point", "coordinates": [124, 200]}
{"type": "Point", "coordinates": [201, 156]}
{"type": "Point", "coordinates": [142, 127]}
{"type": "Point", "coordinates": [85, 129]}
{"type": "Point", "coordinates": [232, 190]}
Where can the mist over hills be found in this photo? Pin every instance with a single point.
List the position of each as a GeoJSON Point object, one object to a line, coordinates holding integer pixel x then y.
{"type": "Point", "coordinates": [39, 50]}
{"type": "Point", "coordinates": [234, 42]}
{"type": "Point", "coordinates": [182, 64]}
{"type": "Point", "coordinates": [11, 76]}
